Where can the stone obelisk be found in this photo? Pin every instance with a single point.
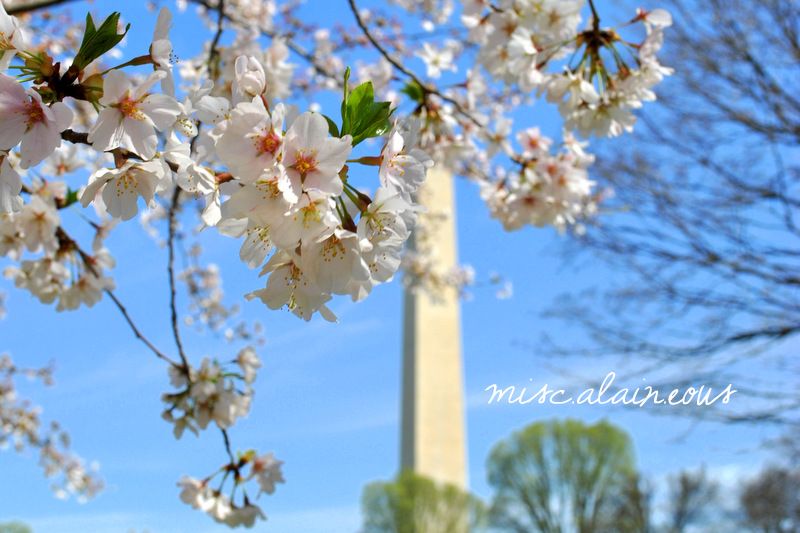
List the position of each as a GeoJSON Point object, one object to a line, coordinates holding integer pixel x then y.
{"type": "Point", "coordinates": [433, 437]}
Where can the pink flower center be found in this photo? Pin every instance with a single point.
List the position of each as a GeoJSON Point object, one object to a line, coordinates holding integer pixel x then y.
{"type": "Point", "coordinates": [304, 163]}
{"type": "Point", "coordinates": [129, 108]}
{"type": "Point", "coordinates": [5, 42]}
{"type": "Point", "coordinates": [34, 112]}
{"type": "Point", "coordinates": [268, 143]}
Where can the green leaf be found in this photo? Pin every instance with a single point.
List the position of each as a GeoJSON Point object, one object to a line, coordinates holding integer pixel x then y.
{"type": "Point", "coordinates": [90, 28]}
{"type": "Point", "coordinates": [362, 116]}
{"type": "Point", "coordinates": [98, 41]}
{"type": "Point", "coordinates": [414, 91]}
{"type": "Point", "coordinates": [71, 198]}
{"type": "Point", "coordinates": [332, 128]}
{"type": "Point", "coordinates": [345, 100]}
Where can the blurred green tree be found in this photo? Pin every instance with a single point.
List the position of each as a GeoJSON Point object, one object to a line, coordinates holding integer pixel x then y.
{"type": "Point", "coordinates": [567, 476]}
{"type": "Point", "coordinates": [14, 527]}
{"type": "Point", "coordinates": [416, 504]}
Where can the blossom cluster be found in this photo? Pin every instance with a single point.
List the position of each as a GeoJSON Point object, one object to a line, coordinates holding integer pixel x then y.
{"type": "Point", "coordinates": [548, 189]}
{"type": "Point", "coordinates": [207, 307]}
{"type": "Point", "coordinates": [597, 77]}
{"type": "Point", "coordinates": [21, 426]}
{"type": "Point", "coordinates": [221, 393]}
{"type": "Point", "coordinates": [210, 393]}
{"type": "Point", "coordinates": [521, 39]}
{"type": "Point", "coordinates": [286, 185]}
{"type": "Point", "coordinates": [264, 469]}
{"type": "Point", "coordinates": [60, 270]}
{"type": "Point", "coordinates": [294, 197]}
{"type": "Point", "coordinates": [322, 206]}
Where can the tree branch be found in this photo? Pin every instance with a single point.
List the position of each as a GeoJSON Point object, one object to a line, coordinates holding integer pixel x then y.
{"type": "Point", "coordinates": [88, 261]}
{"type": "Point", "coordinates": [399, 66]}
{"type": "Point", "coordinates": [172, 226]}
{"type": "Point", "coordinates": [20, 8]}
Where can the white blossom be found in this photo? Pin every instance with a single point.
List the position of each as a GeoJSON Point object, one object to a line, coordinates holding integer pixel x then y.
{"type": "Point", "coordinates": [121, 188]}
{"type": "Point", "coordinates": [29, 122]}
{"type": "Point", "coordinates": [10, 186]}
{"type": "Point", "coordinates": [132, 115]}
{"type": "Point", "coordinates": [12, 38]}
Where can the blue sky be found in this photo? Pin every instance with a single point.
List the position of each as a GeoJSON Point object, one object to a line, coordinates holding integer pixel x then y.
{"type": "Point", "coordinates": [327, 398]}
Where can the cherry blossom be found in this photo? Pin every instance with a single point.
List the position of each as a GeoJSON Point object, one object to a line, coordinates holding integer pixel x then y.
{"type": "Point", "coordinates": [29, 122]}
{"type": "Point", "coordinates": [403, 164]}
{"type": "Point", "coordinates": [121, 188]}
{"type": "Point", "coordinates": [437, 60]}
{"type": "Point", "coordinates": [161, 50]}
{"type": "Point", "coordinates": [252, 142]}
{"type": "Point", "coordinates": [312, 158]}
{"type": "Point", "coordinates": [132, 115]}
{"type": "Point", "coordinates": [289, 286]}
{"type": "Point", "coordinates": [323, 199]}
{"type": "Point", "coordinates": [267, 471]}
{"type": "Point", "coordinates": [12, 38]}
{"type": "Point", "coordinates": [10, 186]}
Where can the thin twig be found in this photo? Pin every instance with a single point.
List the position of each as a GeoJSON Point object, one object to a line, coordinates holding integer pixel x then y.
{"type": "Point", "coordinates": [399, 66]}
{"type": "Point", "coordinates": [135, 329]}
{"type": "Point", "coordinates": [173, 308]}
{"type": "Point", "coordinates": [595, 16]}
{"type": "Point", "coordinates": [228, 445]}
{"type": "Point", "coordinates": [213, 52]}
{"type": "Point", "coordinates": [88, 261]}
{"type": "Point", "coordinates": [174, 205]}
{"type": "Point", "coordinates": [291, 44]}
{"type": "Point", "coordinates": [20, 8]}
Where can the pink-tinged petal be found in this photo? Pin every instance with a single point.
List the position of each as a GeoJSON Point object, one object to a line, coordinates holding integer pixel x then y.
{"type": "Point", "coordinates": [7, 22]}
{"type": "Point", "coordinates": [325, 183]}
{"type": "Point", "coordinates": [96, 181]}
{"type": "Point", "coordinates": [142, 90]}
{"type": "Point", "coordinates": [146, 184]}
{"type": "Point", "coordinates": [10, 187]}
{"type": "Point", "coordinates": [139, 136]}
{"type": "Point", "coordinates": [333, 154]}
{"type": "Point", "coordinates": [12, 129]}
{"type": "Point", "coordinates": [162, 109]}
{"type": "Point", "coordinates": [115, 86]}
{"type": "Point", "coordinates": [163, 24]}
{"type": "Point", "coordinates": [63, 116]}
{"type": "Point", "coordinates": [121, 201]}
{"type": "Point", "coordinates": [168, 83]}
{"type": "Point", "coordinates": [107, 131]}
{"type": "Point", "coordinates": [39, 142]}
{"type": "Point", "coordinates": [308, 131]}
{"type": "Point", "coordinates": [5, 59]}
{"type": "Point", "coordinates": [11, 91]}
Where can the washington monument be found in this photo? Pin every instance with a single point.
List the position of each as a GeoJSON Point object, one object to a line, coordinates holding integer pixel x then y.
{"type": "Point", "coordinates": [433, 441]}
